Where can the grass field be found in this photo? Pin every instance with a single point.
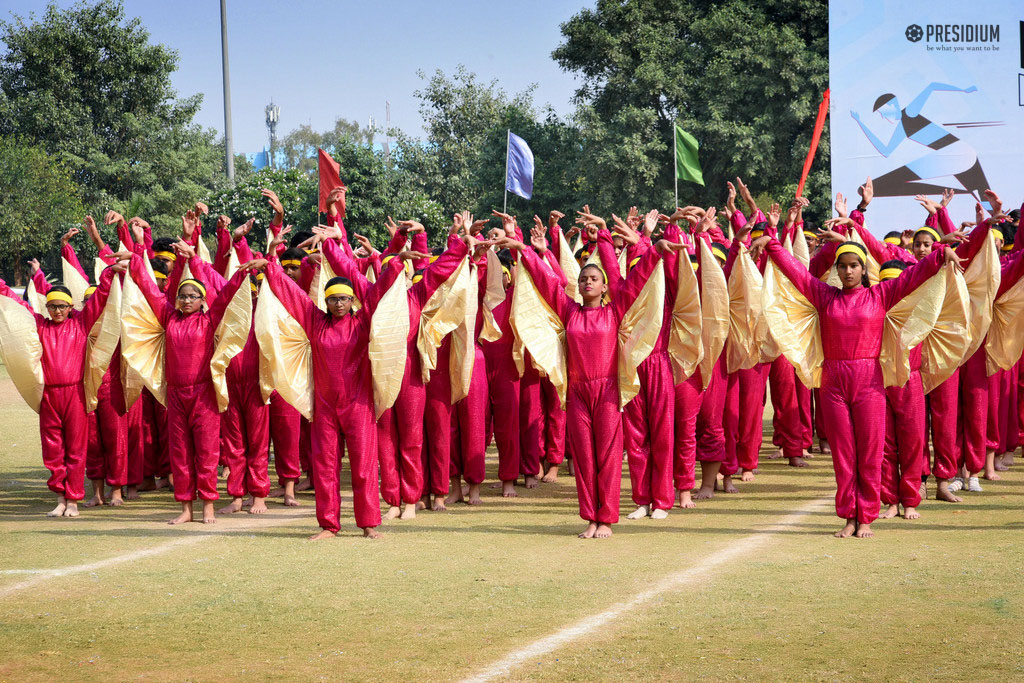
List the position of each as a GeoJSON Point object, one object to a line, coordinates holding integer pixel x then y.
{"type": "Point", "coordinates": [747, 586]}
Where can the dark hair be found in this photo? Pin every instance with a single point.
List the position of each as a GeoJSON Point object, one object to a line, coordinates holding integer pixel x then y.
{"type": "Point", "coordinates": [505, 256]}
{"type": "Point", "coordinates": [1014, 215]}
{"type": "Point", "coordinates": [292, 253]}
{"type": "Point", "coordinates": [810, 225]}
{"type": "Point", "coordinates": [338, 281]}
{"type": "Point", "coordinates": [598, 268]}
{"type": "Point", "coordinates": [299, 237]}
{"type": "Point", "coordinates": [189, 284]}
{"type": "Point", "coordinates": [884, 99]}
{"type": "Point", "coordinates": [419, 272]}
{"type": "Point", "coordinates": [894, 233]}
{"type": "Point", "coordinates": [437, 251]}
{"type": "Point", "coordinates": [60, 288]}
{"type": "Point", "coordinates": [894, 263]}
{"type": "Point", "coordinates": [160, 266]}
{"type": "Point", "coordinates": [863, 264]}
{"type": "Point", "coordinates": [1009, 231]}
{"type": "Point", "coordinates": [164, 244]}
{"type": "Point", "coordinates": [760, 225]}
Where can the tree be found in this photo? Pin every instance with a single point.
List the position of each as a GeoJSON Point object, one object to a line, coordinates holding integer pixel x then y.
{"type": "Point", "coordinates": [39, 202]}
{"type": "Point", "coordinates": [87, 84]}
{"type": "Point", "coordinates": [300, 145]}
{"type": "Point", "coordinates": [743, 77]}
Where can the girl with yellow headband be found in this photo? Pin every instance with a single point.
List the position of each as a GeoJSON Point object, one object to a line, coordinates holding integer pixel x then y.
{"type": "Point", "coordinates": [61, 340]}
{"type": "Point", "coordinates": [852, 391]}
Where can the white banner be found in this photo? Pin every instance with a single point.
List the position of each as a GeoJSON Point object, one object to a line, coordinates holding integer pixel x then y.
{"type": "Point", "coordinates": [926, 95]}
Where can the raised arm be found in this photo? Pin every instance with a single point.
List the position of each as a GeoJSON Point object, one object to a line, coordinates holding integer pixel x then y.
{"type": "Point", "coordinates": [632, 285]}
{"type": "Point", "coordinates": [296, 302]}
{"type": "Point", "coordinates": [882, 251]}
{"type": "Point", "coordinates": [223, 297]}
{"type": "Point", "coordinates": [11, 294]}
{"type": "Point", "coordinates": [161, 304]}
{"type": "Point", "coordinates": [344, 266]}
{"type": "Point", "coordinates": [94, 306]}
{"type": "Point", "coordinates": [609, 262]}
{"type": "Point", "coordinates": [391, 271]}
{"type": "Point", "coordinates": [816, 291]}
{"type": "Point", "coordinates": [896, 289]}
{"type": "Point", "coordinates": [1012, 270]}
{"type": "Point", "coordinates": [438, 272]}
{"type": "Point", "coordinates": [550, 289]}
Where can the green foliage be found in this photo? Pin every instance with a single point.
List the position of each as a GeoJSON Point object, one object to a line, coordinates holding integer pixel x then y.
{"type": "Point", "coordinates": [296, 189]}
{"type": "Point", "coordinates": [299, 146]}
{"type": "Point", "coordinates": [38, 203]}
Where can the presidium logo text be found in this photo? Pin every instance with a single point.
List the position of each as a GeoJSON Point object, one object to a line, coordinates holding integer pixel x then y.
{"type": "Point", "coordinates": [951, 36]}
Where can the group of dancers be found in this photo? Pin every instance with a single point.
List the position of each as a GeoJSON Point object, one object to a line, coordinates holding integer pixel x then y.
{"type": "Point", "coordinates": [656, 337]}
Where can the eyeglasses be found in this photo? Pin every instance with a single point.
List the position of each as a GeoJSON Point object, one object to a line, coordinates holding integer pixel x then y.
{"type": "Point", "coordinates": [334, 300]}
{"type": "Point", "coordinates": [189, 297]}
{"type": "Point", "coordinates": [57, 307]}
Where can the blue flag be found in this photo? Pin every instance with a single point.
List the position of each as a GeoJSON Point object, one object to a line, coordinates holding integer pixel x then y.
{"type": "Point", "coordinates": [519, 177]}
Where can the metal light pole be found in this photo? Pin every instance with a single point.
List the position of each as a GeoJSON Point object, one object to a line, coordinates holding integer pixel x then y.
{"type": "Point", "coordinates": [229, 148]}
{"type": "Point", "coordinates": [273, 114]}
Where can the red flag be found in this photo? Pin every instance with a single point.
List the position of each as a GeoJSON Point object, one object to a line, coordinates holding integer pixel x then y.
{"type": "Point", "coordinates": [330, 178]}
{"type": "Point", "coordinates": [818, 126]}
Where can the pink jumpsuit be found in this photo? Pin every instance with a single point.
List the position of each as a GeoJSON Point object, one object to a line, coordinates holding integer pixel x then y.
{"type": "Point", "coordinates": [592, 411]}
{"type": "Point", "coordinates": [63, 426]}
{"type": "Point", "coordinates": [504, 389]}
{"type": "Point", "coordinates": [193, 420]}
{"type": "Point", "coordinates": [852, 393]}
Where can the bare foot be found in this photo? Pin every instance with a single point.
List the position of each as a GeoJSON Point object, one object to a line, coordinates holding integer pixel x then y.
{"type": "Point", "coordinates": [923, 491]}
{"type": "Point", "coordinates": [323, 533]}
{"type": "Point", "coordinates": [808, 454]}
{"type": "Point", "coordinates": [1008, 460]}
{"type": "Point", "coordinates": [474, 495]}
{"type": "Point", "coordinates": [684, 499]}
{"type": "Point", "coordinates": [589, 531]}
{"type": "Point", "coordinates": [943, 493]}
{"type": "Point", "coordinates": [531, 482]}
{"type": "Point", "coordinates": [62, 505]}
{"type": "Point", "coordinates": [370, 532]}
{"type": "Point", "coordinates": [659, 514]}
{"type": "Point", "coordinates": [209, 516]}
{"type": "Point", "coordinates": [551, 475]}
{"type": "Point", "coordinates": [824, 447]}
{"type": "Point", "coordinates": [890, 512]}
{"type": "Point", "coordinates": [603, 531]}
{"type": "Point", "coordinates": [148, 484]}
{"type": "Point", "coordinates": [991, 474]}
{"type": "Point", "coordinates": [704, 494]}
{"type": "Point", "coordinates": [455, 492]}
{"type": "Point", "coordinates": [797, 462]}
{"type": "Point", "coordinates": [572, 468]}
{"type": "Point", "coordinates": [422, 503]}
{"type": "Point", "coordinates": [641, 512]}
{"type": "Point", "coordinates": [276, 493]}
{"type": "Point", "coordinates": [409, 512]}
{"type": "Point", "coordinates": [439, 504]}
{"type": "Point", "coordinates": [116, 499]}
{"type": "Point", "coordinates": [848, 530]}
{"type": "Point", "coordinates": [748, 475]}
{"type": "Point", "coordinates": [259, 506]}
{"type": "Point", "coordinates": [775, 455]}
{"type": "Point", "coordinates": [911, 513]}
{"type": "Point", "coordinates": [864, 531]}
{"type": "Point", "coordinates": [290, 502]}
{"type": "Point", "coordinates": [232, 507]}
{"type": "Point", "coordinates": [163, 483]}
{"type": "Point", "coordinates": [304, 485]}
{"type": "Point", "coordinates": [131, 492]}
{"type": "Point", "coordinates": [72, 509]}
{"type": "Point", "coordinates": [185, 516]}
{"type": "Point", "coordinates": [728, 486]}
{"type": "Point", "coordinates": [226, 473]}
{"type": "Point", "coordinates": [394, 512]}
{"type": "Point", "coordinates": [508, 489]}
{"type": "Point", "coordinates": [95, 501]}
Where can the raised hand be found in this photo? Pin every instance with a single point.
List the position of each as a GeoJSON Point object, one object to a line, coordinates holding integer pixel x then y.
{"type": "Point", "coordinates": [255, 264]}
{"type": "Point", "coordinates": [34, 266]}
{"type": "Point", "coordinates": [242, 230]}
{"type": "Point", "coordinates": [590, 219]}
{"type": "Point", "coordinates": [328, 232]}
{"type": "Point", "coordinates": [113, 218]}
{"type": "Point", "coordinates": [841, 205]}
{"type": "Point", "coordinates": [392, 226]}
{"type": "Point", "coordinates": [278, 239]}
{"type": "Point", "coordinates": [409, 227]}
{"type": "Point", "coordinates": [947, 196]}
{"type": "Point", "coordinates": [951, 257]}
{"type": "Point", "coordinates": [774, 213]}
{"type": "Point", "coordinates": [979, 213]}
{"type": "Point", "coordinates": [184, 249]}
{"type": "Point", "coordinates": [995, 201]}
{"type": "Point", "coordinates": [335, 196]}
{"type": "Point", "coordinates": [457, 224]}
{"type": "Point", "coordinates": [410, 255]}
{"type": "Point", "coordinates": [758, 245]}
{"type": "Point", "coordinates": [538, 238]}
{"type": "Point", "coordinates": [929, 205]}
{"type": "Point", "coordinates": [707, 221]}
{"type": "Point", "coordinates": [867, 193]}
{"type": "Point", "coordinates": [188, 224]}
{"type": "Point", "coordinates": [66, 237]}
{"type": "Point", "coordinates": [955, 236]}
{"type": "Point", "coordinates": [747, 197]}
{"type": "Point", "coordinates": [365, 244]}
{"type": "Point", "coordinates": [554, 217]}
{"type": "Point", "coordinates": [650, 222]}
{"type": "Point", "coordinates": [830, 236]}
{"type": "Point", "coordinates": [510, 243]}
{"type": "Point", "coordinates": [730, 200]}
{"type": "Point", "coordinates": [275, 204]}
{"type": "Point", "coordinates": [201, 210]}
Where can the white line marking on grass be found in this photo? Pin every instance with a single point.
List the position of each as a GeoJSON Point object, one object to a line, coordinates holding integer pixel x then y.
{"type": "Point", "coordinates": [548, 644]}
{"type": "Point", "coordinates": [43, 575]}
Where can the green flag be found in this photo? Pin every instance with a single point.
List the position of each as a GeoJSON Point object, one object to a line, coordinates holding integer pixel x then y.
{"type": "Point", "coordinates": [687, 165]}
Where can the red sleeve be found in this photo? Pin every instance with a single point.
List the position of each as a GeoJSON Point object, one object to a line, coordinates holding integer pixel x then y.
{"type": "Point", "coordinates": [632, 285]}
{"type": "Point", "coordinates": [610, 263]}
{"type": "Point", "coordinates": [547, 284]}
{"type": "Point", "coordinates": [220, 259]}
{"type": "Point", "coordinates": [94, 306]}
{"type": "Point", "coordinates": [894, 290]}
{"type": "Point", "coordinates": [1012, 270]}
{"type": "Point", "coordinates": [344, 266]}
{"type": "Point", "coordinates": [160, 304]}
{"type": "Point", "coordinates": [224, 295]}
{"type": "Point", "coordinates": [40, 281]}
{"type": "Point", "coordinates": [438, 272]}
{"type": "Point", "coordinates": [812, 288]}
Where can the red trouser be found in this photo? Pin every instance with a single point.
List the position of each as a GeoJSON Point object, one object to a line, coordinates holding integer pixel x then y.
{"type": "Point", "coordinates": [400, 440]}
{"type": "Point", "coordinates": [731, 424]}
{"type": "Point", "coordinates": [157, 460]}
{"type": "Point", "coordinates": [246, 429]}
{"type": "Point", "coordinates": [503, 410]}
{"type": "Point", "coordinates": [469, 426]}
{"type": "Point", "coordinates": [748, 429]}
{"type": "Point", "coordinates": [1002, 433]}
{"type": "Point", "coordinates": [64, 432]}
{"type": "Point", "coordinates": [819, 418]}
{"type": "Point", "coordinates": [107, 456]}
{"type": "Point", "coordinates": [554, 423]}
{"type": "Point", "coordinates": [193, 435]}
{"type": "Point", "coordinates": [788, 422]}
{"type": "Point", "coordinates": [943, 407]}
{"type": "Point", "coordinates": [974, 407]}
{"type": "Point", "coordinates": [286, 433]}
{"type": "Point", "coordinates": [803, 395]}
{"type": "Point", "coordinates": [648, 433]}
{"type": "Point", "coordinates": [853, 408]}
{"type": "Point", "coordinates": [710, 433]}
{"type": "Point", "coordinates": [136, 442]}
{"type": "Point", "coordinates": [595, 434]}
{"type": "Point", "coordinates": [541, 419]}
{"type": "Point", "coordinates": [437, 415]}
{"type": "Point", "coordinates": [688, 399]}
{"type": "Point", "coordinates": [905, 443]}
{"type": "Point", "coordinates": [340, 422]}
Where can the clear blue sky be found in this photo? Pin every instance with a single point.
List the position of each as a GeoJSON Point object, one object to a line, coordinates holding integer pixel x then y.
{"type": "Point", "coordinates": [323, 59]}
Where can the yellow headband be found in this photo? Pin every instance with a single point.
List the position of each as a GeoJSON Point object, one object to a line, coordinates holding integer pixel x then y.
{"type": "Point", "coordinates": [634, 262]}
{"type": "Point", "coordinates": [169, 255]}
{"type": "Point", "coordinates": [57, 295]}
{"type": "Point", "coordinates": [852, 249]}
{"type": "Point", "coordinates": [195, 283]}
{"type": "Point", "coordinates": [159, 276]}
{"type": "Point", "coordinates": [340, 289]}
{"type": "Point", "coordinates": [997, 233]}
{"type": "Point", "coordinates": [719, 252]}
{"type": "Point", "coordinates": [90, 290]}
{"type": "Point", "coordinates": [594, 265]}
{"type": "Point", "coordinates": [432, 259]}
{"type": "Point", "coordinates": [754, 234]}
{"type": "Point", "coordinates": [811, 234]}
{"type": "Point", "coordinates": [893, 240]}
{"type": "Point", "coordinates": [1007, 246]}
{"type": "Point", "coordinates": [291, 262]}
{"type": "Point", "coordinates": [889, 273]}
{"type": "Point", "coordinates": [416, 278]}
{"type": "Point", "coordinates": [259, 276]}
{"type": "Point", "coordinates": [506, 271]}
{"type": "Point", "coordinates": [252, 285]}
{"type": "Point", "coordinates": [694, 265]}
{"type": "Point", "coordinates": [929, 231]}
{"type": "Point", "coordinates": [309, 251]}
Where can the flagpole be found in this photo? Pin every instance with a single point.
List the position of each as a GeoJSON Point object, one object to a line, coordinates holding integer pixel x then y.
{"type": "Point", "coordinates": [508, 141]}
{"type": "Point", "coordinates": [675, 162]}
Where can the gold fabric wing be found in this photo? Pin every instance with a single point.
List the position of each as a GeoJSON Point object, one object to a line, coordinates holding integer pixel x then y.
{"type": "Point", "coordinates": [943, 351]}
{"type": "Point", "coordinates": [982, 276]}
{"type": "Point", "coordinates": [389, 331]}
{"type": "Point", "coordinates": [142, 340]}
{"type": "Point", "coordinates": [685, 347]}
{"type": "Point", "coordinates": [324, 274]}
{"type": "Point", "coordinates": [494, 296]}
{"type": "Point", "coordinates": [1005, 341]}
{"type": "Point", "coordinates": [36, 300]}
{"type": "Point", "coordinates": [285, 351]}
{"type": "Point", "coordinates": [907, 324]}
{"type": "Point", "coordinates": [462, 353]}
{"type": "Point", "coordinates": [799, 249]}
{"type": "Point", "coordinates": [541, 332]}
{"type": "Point", "coordinates": [714, 297]}
{"type": "Point", "coordinates": [742, 350]}
{"type": "Point", "coordinates": [203, 251]}
{"type": "Point", "coordinates": [103, 340]}
{"type": "Point", "coordinates": [793, 322]}
{"type": "Point", "coordinates": [571, 268]}
{"type": "Point", "coordinates": [442, 313]}
{"type": "Point", "coordinates": [74, 281]}
{"type": "Point", "coordinates": [21, 351]}
{"type": "Point", "coordinates": [229, 339]}
{"type": "Point", "coordinates": [638, 332]}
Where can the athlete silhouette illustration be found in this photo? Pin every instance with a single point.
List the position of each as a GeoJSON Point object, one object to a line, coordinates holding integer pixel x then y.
{"type": "Point", "coordinates": [948, 155]}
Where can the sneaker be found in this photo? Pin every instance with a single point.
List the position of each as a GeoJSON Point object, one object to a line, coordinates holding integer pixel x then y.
{"type": "Point", "coordinates": [973, 485]}
{"type": "Point", "coordinates": [956, 484]}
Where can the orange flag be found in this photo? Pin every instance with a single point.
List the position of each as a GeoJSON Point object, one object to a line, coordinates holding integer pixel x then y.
{"type": "Point", "coordinates": [819, 124]}
{"type": "Point", "coordinates": [330, 178]}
